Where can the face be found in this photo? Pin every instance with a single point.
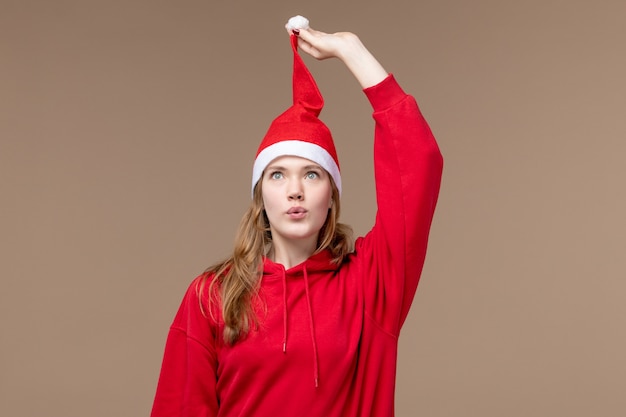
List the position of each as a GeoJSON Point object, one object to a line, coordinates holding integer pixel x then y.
{"type": "Point", "coordinates": [297, 194]}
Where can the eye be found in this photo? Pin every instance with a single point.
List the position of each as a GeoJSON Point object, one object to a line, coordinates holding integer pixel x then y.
{"type": "Point", "coordinates": [276, 175]}
{"type": "Point", "coordinates": [311, 175]}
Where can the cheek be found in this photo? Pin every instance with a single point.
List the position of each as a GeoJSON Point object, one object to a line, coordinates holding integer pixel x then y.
{"type": "Point", "coordinates": [268, 205]}
{"type": "Point", "coordinates": [324, 198]}
{"type": "Point", "coordinates": [272, 203]}
{"type": "Point", "coordinates": [268, 195]}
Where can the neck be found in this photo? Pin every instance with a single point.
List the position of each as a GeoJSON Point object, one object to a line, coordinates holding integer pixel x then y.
{"type": "Point", "coordinates": [290, 254]}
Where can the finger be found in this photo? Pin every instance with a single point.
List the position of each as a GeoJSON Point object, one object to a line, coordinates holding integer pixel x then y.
{"type": "Point", "coordinates": [308, 48]}
{"type": "Point", "coordinates": [310, 41]}
{"type": "Point", "coordinates": [310, 35]}
{"type": "Point", "coordinates": [304, 34]}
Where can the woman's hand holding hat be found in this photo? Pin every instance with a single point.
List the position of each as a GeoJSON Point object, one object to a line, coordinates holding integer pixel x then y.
{"type": "Point", "coordinates": [345, 46]}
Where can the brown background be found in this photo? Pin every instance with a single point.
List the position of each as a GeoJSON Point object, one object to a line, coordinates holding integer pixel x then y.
{"type": "Point", "coordinates": [127, 134]}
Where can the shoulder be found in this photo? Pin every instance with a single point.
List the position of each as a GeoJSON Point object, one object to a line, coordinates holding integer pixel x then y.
{"type": "Point", "coordinates": [200, 302]}
{"type": "Point", "coordinates": [200, 287]}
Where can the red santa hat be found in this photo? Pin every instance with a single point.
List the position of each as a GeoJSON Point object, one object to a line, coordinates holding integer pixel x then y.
{"type": "Point", "coordinates": [298, 131]}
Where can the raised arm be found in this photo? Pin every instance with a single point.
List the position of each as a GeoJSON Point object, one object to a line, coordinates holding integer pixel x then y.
{"type": "Point", "coordinates": [408, 168]}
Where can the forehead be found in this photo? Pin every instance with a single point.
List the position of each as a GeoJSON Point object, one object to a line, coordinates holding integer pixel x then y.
{"type": "Point", "coordinates": [293, 162]}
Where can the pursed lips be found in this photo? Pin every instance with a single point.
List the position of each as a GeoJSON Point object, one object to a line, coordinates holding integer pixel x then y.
{"type": "Point", "coordinates": [296, 210]}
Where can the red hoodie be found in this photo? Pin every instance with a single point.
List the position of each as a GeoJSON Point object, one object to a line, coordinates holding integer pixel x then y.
{"type": "Point", "coordinates": [327, 339]}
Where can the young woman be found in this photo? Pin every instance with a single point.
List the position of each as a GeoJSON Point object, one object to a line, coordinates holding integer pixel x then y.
{"type": "Point", "coordinates": [298, 321]}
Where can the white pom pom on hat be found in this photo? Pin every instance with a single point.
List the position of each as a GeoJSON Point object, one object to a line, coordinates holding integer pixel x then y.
{"type": "Point", "coordinates": [298, 131]}
{"type": "Point", "coordinates": [297, 22]}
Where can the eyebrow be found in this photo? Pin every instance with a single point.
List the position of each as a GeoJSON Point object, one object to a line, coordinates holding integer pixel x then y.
{"type": "Point", "coordinates": [281, 168]}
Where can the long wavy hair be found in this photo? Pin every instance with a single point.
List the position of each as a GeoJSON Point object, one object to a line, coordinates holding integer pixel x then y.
{"type": "Point", "coordinates": [234, 282]}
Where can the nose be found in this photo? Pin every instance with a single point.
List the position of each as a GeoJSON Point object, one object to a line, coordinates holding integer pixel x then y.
{"type": "Point", "coordinates": [296, 195]}
{"type": "Point", "coordinates": [295, 191]}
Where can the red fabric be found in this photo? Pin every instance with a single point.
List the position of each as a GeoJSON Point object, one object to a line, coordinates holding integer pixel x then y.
{"type": "Point", "coordinates": [300, 121]}
{"type": "Point", "coordinates": [341, 323]}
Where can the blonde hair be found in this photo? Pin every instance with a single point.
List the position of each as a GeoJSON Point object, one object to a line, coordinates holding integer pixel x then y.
{"type": "Point", "coordinates": [235, 281]}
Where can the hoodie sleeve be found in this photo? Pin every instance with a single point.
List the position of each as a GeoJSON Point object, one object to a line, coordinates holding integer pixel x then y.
{"type": "Point", "coordinates": [408, 167]}
{"type": "Point", "coordinates": [188, 374]}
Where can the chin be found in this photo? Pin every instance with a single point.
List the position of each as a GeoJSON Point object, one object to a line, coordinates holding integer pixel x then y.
{"type": "Point", "coordinates": [297, 235]}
